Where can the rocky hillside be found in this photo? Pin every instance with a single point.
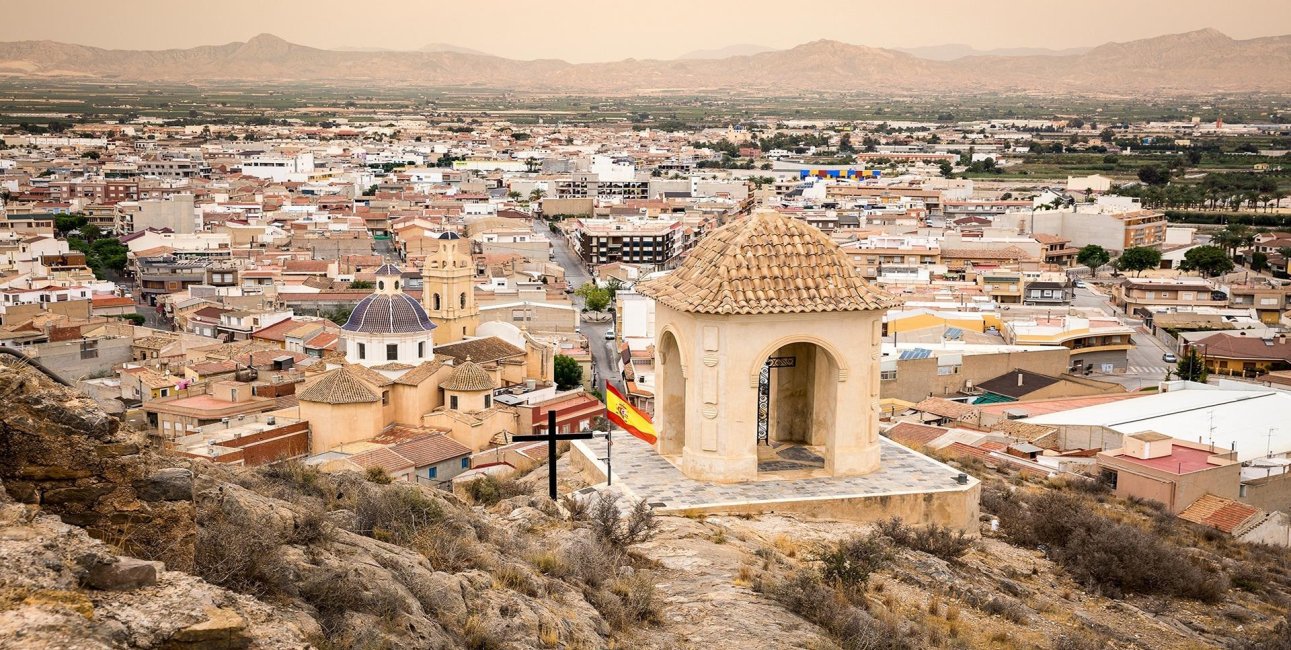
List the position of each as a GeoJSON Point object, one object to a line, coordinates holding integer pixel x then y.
{"type": "Point", "coordinates": [1196, 62]}
{"type": "Point", "coordinates": [286, 557]}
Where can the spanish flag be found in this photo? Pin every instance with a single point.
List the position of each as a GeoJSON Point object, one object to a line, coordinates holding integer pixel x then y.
{"type": "Point", "coordinates": [622, 413]}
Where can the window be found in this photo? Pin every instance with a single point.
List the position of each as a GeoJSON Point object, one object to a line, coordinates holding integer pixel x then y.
{"type": "Point", "coordinates": [421, 349]}
{"type": "Point", "coordinates": [432, 472]}
{"type": "Point", "coordinates": [436, 302]}
{"type": "Point", "coordinates": [461, 300]}
{"type": "Point", "coordinates": [381, 284]}
{"type": "Point", "coordinates": [466, 464]}
{"type": "Point", "coordinates": [452, 402]}
{"type": "Point", "coordinates": [385, 397]}
{"type": "Point", "coordinates": [488, 401]}
{"type": "Point", "coordinates": [947, 370]}
{"type": "Point", "coordinates": [392, 351]}
{"type": "Point", "coordinates": [888, 375]}
{"type": "Point", "coordinates": [396, 285]}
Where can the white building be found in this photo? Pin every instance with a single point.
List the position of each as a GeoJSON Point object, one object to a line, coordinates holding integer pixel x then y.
{"type": "Point", "coordinates": [388, 327]}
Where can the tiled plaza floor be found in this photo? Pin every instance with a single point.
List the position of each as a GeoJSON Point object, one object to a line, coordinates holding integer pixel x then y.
{"type": "Point", "coordinates": [651, 477]}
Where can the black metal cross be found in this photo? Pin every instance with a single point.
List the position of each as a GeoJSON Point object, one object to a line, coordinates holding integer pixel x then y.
{"type": "Point", "coordinates": [551, 437]}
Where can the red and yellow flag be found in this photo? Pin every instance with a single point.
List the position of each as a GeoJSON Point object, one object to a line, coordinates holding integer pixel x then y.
{"type": "Point", "coordinates": [622, 413]}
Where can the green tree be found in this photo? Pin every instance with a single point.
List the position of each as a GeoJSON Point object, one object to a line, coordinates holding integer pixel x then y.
{"type": "Point", "coordinates": [1139, 259]}
{"type": "Point", "coordinates": [567, 372]}
{"type": "Point", "coordinates": [612, 287]}
{"type": "Point", "coordinates": [1208, 261]}
{"type": "Point", "coordinates": [536, 195]}
{"type": "Point", "coordinates": [1154, 175]}
{"type": "Point", "coordinates": [1259, 261]}
{"type": "Point", "coordinates": [594, 298]}
{"type": "Point", "coordinates": [946, 169]}
{"type": "Point", "coordinates": [361, 284]}
{"type": "Point", "coordinates": [340, 315]}
{"type": "Point", "coordinates": [1093, 256]}
{"type": "Point", "coordinates": [1233, 237]}
{"type": "Point", "coordinates": [65, 223]}
{"type": "Point", "coordinates": [1192, 367]}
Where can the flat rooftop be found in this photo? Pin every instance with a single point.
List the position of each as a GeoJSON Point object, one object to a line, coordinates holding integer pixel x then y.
{"type": "Point", "coordinates": [643, 473]}
{"type": "Point", "coordinates": [1182, 460]}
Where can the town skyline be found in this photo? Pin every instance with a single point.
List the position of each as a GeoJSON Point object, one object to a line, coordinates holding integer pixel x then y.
{"type": "Point", "coordinates": [568, 31]}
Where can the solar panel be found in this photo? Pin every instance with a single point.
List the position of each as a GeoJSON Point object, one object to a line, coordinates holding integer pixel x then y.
{"type": "Point", "coordinates": [915, 353]}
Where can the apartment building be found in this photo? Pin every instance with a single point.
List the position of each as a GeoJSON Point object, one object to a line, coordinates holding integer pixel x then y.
{"type": "Point", "coordinates": [1135, 294]}
{"type": "Point", "coordinates": [877, 255]}
{"type": "Point", "coordinates": [635, 241]}
{"type": "Point", "coordinates": [1113, 223]}
{"type": "Point", "coordinates": [1093, 344]}
{"type": "Point", "coordinates": [1269, 299]}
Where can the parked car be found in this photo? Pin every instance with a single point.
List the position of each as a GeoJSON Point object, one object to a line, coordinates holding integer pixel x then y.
{"type": "Point", "coordinates": [609, 335]}
{"type": "Point", "coordinates": [1080, 284]}
{"type": "Point", "coordinates": [1169, 358]}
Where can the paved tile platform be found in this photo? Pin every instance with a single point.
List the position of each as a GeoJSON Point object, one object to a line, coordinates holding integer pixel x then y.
{"type": "Point", "coordinates": [642, 473]}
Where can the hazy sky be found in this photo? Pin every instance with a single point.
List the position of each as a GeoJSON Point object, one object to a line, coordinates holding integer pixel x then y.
{"type": "Point", "coordinates": [602, 30]}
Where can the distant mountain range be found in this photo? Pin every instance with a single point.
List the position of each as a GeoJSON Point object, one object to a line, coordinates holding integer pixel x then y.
{"type": "Point", "coordinates": [1195, 62]}
{"type": "Point", "coordinates": [740, 49]}
{"type": "Point", "coordinates": [952, 51]}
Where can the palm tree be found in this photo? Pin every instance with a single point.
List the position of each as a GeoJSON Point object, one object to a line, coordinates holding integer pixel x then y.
{"type": "Point", "coordinates": [536, 195]}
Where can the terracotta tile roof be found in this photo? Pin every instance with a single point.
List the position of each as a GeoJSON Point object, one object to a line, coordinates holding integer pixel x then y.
{"type": "Point", "coordinates": [766, 263]}
{"type": "Point", "coordinates": [915, 435]}
{"type": "Point", "coordinates": [1231, 346]}
{"type": "Point", "coordinates": [385, 458]}
{"type": "Point", "coordinates": [1023, 430]}
{"type": "Point", "coordinates": [431, 449]}
{"type": "Point", "coordinates": [481, 350]}
{"type": "Point", "coordinates": [339, 387]}
{"type": "Point", "coordinates": [946, 408]}
{"type": "Point", "coordinates": [371, 376]}
{"type": "Point", "coordinates": [468, 376]}
{"type": "Point", "coordinates": [419, 374]}
{"type": "Point", "coordinates": [1217, 512]}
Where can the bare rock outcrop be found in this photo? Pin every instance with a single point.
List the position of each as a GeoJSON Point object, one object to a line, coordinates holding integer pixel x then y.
{"type": "Point", "coordinates": [60, 451]}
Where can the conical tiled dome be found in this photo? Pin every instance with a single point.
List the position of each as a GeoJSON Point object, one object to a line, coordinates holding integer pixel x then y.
{"type": "Point", "coordinates": [468, 377]}
{"type": "Point", "coordinates": [766, 263]}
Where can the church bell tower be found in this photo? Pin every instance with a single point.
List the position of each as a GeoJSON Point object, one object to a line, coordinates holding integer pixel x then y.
{"type": "Point", "coordinates": [448, 291]}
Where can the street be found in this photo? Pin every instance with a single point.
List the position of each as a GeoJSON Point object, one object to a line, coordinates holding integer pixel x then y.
{"type": "Point", "coordinates": [1144, 366]}
{"type": "Point", "coordinates": [604, 353]}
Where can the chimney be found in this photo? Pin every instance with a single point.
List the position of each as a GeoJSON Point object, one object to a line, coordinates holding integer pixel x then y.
{"type": "Point", "coordinates": [1019, 380]}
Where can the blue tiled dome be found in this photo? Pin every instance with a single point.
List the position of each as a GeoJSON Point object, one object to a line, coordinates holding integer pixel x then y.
{"type": "Point", "coordinates": [388, 314]}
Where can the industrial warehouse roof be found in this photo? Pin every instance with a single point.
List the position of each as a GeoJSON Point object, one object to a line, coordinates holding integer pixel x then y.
{"type": "Point", "coordinates": [766, 263]}
{"type": "Point", "coordinates": [1251, 420]}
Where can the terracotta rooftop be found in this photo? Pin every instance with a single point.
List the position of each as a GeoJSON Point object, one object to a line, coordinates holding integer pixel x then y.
{"type": "Point", "coordinates": [419, 374]}
{"type": "Point", "coordinates": [339, 387]}
{"type": "Point", "coordinates": [915, 435]}
{"type": "Point", "coordinates": [766, 263]}
{"type": "Point", "coordinates": [469, 376]}
{"type": "Point", "coordinates": [481, 350]}
{"type": "Point", "coordinates": [1217, 512]}
{"type": "Point", "coordinates": [946, 408]}
{"type": "Point", "coordinates": [431, 449]}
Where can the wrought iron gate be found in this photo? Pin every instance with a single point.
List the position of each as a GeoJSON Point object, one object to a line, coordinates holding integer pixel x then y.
{"type": "Point", "coordinates": [764, 395]}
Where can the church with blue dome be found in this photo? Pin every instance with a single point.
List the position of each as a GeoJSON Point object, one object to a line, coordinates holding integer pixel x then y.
{"type": "Point", "coordinates": [389, 326]}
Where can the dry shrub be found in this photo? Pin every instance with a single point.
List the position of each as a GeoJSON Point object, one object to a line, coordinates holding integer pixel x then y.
{"type": "Point", "coordinates": [236, 552]}
{"type": "Point", "coordinates": [1082, 640]}
{"type": "Point", "coordinates": [1008, 609]}
{"type": "Point", "coordinates": [311, 526]}
{"type": "Point", "coordinates": [1112, 557]}
{"type": "Point", "coordinates": [617, 530]}
{"type": "Point", "coordinates": [848, 564]}
{"type": "Point", "coordinates": [932, 539]}
{"type": "Point", "coordinates": [333, 595]}
{"type": "Point", "coordinates": [378, 475]}
{"type": "Point", "coordinates": [639, 599]}
{"type": "Point", "coordinates": [395, 514]}
{"type": "Point", "coordinates": [489, 490]}
{"type": "Point", "coordinates": [806, 594]}
{"type": "Point", "coordinates": [590, 563]}
{"type": "Point", "coordinates": [305, 479]}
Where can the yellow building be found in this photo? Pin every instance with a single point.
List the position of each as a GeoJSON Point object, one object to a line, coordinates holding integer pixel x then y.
{"type": "Point", "coordinates": [448, 291]}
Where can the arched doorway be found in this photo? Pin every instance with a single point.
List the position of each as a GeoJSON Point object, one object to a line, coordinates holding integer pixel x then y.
{"type": "Point", "coordinates": [797, 401]}
{"type": "Point", "coordinates": [670, 403]}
